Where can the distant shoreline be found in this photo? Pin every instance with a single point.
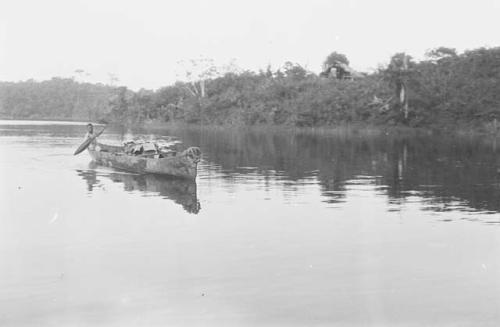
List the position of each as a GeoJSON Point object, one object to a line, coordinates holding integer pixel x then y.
{"type": "Point", "coordinates": [336, 130]}
{"type": "Point", "coordinates": [45, 121]}
{"type": "Point", "coordinates": [341, 129]}
{"type": "Point", "coordinates": [363, 130]}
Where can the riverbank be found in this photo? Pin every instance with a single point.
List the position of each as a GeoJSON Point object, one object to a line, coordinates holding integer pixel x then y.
{"type": "Point", "coordinates": [363, 130]}
{"type": "Point", "coordinates": [446, 92]}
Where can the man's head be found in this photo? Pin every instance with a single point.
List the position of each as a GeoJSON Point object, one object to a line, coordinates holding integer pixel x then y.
{"type": "Point", "coordinates": [90, 128]}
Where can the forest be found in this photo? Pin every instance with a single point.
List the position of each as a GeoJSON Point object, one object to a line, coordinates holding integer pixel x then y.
{"type": "Point", "coordinates": [444, 89]}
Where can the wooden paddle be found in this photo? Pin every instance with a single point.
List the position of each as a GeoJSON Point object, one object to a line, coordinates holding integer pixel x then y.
{"type": "Point", "coordinates": [87, 142]}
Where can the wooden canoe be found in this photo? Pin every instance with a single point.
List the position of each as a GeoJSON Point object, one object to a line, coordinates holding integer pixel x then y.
{"type": "Point", "coordinates": [184, 164]}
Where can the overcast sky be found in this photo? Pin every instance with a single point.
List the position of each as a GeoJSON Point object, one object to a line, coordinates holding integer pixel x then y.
{"type": "Point", "coordinates": [141, 42]}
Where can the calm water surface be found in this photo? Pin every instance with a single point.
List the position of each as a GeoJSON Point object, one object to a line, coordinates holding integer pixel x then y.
{"type": "Point", "coordinates": [278, 230]}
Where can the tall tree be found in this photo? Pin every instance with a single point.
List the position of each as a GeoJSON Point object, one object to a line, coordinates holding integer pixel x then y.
{"type": "Point", "coordinates": [197, 72]}
{"type": "Point", "coordinates": [335, 57]}
{"type": "Point", "coordinates": [398, 73]}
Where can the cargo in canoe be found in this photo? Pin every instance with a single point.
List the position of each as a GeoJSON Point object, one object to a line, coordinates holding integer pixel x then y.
{"type": "Point", "coordinates": [183, 164]}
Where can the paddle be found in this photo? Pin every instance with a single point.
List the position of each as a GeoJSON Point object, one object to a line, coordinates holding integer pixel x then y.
{"type": "Point", "coordinates": [87, 142]}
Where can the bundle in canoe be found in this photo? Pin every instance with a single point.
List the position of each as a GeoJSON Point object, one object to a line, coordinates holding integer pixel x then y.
{"type": "Point", "coordinates": [182, 164]}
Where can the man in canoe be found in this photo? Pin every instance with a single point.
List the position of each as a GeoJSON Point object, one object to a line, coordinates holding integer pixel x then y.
{"type": "Point", "coordinates": [90, 141]}
{"type": "Point", "coordinates": [90, 134]}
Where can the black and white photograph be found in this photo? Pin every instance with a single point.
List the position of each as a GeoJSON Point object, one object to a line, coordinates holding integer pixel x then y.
{"type": "Point", "coordinates": [249, 163]}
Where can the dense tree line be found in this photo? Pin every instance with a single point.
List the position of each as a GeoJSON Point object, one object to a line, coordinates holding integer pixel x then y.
{"type": "Point", "coordinates": [443, 89]}
{"type": "Point", "coordinates": [449, 88]}
{"type": "Point", "coordinates": [58, 98]}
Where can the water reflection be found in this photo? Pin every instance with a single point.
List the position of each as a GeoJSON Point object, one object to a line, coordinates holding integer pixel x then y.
{"type": "Point", "coordinates": [441, 173]}
{"type": "Point", "coordinates": [444, 172]}
{"type": "Point", "coordinates": [297, 229]}
{"type": "Point", "coordinates": [90, 176]}
{"type": "Point", "coordinates": [180, 191]}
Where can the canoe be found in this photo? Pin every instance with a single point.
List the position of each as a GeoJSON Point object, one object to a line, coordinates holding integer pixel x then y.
{"type": "Point", "coordinates": [184, 164]}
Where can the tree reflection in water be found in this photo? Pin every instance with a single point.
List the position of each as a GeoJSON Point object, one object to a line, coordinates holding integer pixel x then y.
{"type": "Point", "coordinates": [445, 173]}
{"type": "Point", "coordinates": [458, 172]}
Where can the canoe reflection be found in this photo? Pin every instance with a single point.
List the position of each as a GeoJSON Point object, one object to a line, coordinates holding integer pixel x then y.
{"type": "Point", "coordinates": [180, 191]}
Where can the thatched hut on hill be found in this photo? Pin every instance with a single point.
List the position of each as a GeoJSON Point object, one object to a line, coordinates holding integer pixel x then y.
{"type": "Point", "coordinates": [341, 71]}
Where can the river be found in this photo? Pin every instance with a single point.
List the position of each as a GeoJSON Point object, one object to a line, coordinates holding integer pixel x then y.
{"type": "Point", "coordinates": [279, 229]}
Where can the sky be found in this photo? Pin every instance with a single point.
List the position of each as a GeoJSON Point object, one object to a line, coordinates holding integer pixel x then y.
{"type": "Point", "coordinates": [142, 43]}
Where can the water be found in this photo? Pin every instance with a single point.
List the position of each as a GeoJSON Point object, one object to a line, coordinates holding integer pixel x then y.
{"type": "Point", "coordinates": [279, 229]}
